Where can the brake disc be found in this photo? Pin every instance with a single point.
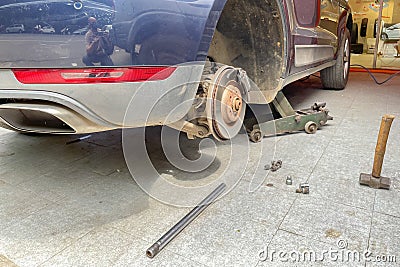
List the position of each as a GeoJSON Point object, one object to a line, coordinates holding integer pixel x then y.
{"type": "Point", "coordinates": [226, 102]}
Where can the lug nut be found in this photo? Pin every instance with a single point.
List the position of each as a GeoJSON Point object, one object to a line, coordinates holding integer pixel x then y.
{"type": "Point", "coordinates": [304, 188]}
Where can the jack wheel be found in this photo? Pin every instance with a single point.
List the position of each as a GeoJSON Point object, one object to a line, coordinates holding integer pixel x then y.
{"type": "Point", "coordinates": [311, 127]}
{"type": "Point", "coordinates": [255, 135]}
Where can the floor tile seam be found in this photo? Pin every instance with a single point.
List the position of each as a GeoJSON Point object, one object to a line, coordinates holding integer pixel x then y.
{"type": "Point", "coordinates": [371, 221]}
{"type": "Point", "coordinates": [66, 247]}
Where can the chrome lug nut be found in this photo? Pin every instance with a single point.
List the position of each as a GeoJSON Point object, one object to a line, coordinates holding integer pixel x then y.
{"type": "Point", "coordinates": [304, 188]}
{"type": "Point", "coordinates": [289, 180]}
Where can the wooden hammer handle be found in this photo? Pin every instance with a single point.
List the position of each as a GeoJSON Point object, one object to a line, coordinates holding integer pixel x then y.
{"type": "Point", "coordinates": [381, 144]}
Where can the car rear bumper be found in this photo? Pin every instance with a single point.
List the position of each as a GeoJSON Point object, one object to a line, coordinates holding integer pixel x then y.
{"type": "Point", "coordinates": [84, 108]}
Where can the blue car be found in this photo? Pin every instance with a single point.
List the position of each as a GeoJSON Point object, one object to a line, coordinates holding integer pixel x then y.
{"type": "Point", "coordinates": [194, 65]}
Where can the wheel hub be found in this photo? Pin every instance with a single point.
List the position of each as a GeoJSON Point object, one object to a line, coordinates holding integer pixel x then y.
{"type": "Point", "coordinates": [346, 56]}
{"type": "Point", "coordinates": [231, 104]}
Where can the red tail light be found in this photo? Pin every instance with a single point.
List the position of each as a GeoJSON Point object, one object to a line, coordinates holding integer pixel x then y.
{"type": "Point", "coordinates": [92, 75]}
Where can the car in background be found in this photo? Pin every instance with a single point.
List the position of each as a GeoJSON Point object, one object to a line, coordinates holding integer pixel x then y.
{"type": "Point", "coordinates": [180, 59]}
{"type": "Point", "coordinates": [15, 28]}
{"type": "Point", "coordinates": [391, 32]}
{"type": "Point", "coordinates": [81, 31]}
{"type": "Point", "coordinates": [107, 28]}
{"type": "Point", "coordinates": [68, 30]}
{"type": "Point", "coordinates": [47, 29]}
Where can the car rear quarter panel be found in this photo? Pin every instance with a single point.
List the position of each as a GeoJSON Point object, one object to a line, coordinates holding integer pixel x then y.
{"type": "Point", "coordinates": [163, 32]}
{"type": "Point", "coordinates": [154, 102]}
{"type": "Point", "coordinates": [145, 32]}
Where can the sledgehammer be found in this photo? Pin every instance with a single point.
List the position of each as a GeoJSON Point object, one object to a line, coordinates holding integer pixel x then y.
{"type": "Point", "coordinates": [375, 180]}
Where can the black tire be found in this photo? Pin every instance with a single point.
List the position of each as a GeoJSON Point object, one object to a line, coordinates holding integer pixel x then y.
{"type": "Point", "coordinates": [336, 76]}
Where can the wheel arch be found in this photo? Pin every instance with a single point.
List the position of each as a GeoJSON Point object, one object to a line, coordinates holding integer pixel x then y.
{"type": "Point", "coordinates": [252, 35]}
{"type": "Point", "coordinates": [345, 22]}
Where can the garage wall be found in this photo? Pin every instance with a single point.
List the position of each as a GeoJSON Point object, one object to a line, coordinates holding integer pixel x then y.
{"type": "Point", "coordinates": [369, 9]}
{"type": "Point", "coordinates": [396, 12]}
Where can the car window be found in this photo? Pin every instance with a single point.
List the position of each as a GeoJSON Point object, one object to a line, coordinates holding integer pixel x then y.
{"type": "Point", "coordinates": [306, 12]}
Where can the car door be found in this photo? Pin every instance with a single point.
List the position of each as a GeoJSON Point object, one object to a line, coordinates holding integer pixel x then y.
{"type": "Point", "coordinates": [393, 31]}
{"type": "Point", "coordinates": [314, 32]}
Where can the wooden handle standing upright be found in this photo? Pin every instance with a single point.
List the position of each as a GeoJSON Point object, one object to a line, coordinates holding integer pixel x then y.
{"type": "Point", "coordinates": [381, 145]}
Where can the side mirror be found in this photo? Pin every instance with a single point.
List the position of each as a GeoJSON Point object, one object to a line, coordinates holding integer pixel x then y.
{"type": "Point", "coordinates": [308, 12]}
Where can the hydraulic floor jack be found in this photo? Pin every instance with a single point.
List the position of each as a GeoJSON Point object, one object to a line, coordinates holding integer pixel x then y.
{"type": "Point", "coordinates": [306, 119]}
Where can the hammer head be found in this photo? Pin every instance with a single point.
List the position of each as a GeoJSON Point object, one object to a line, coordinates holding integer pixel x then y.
{"type": "Point", "coordinates": [371, 181]}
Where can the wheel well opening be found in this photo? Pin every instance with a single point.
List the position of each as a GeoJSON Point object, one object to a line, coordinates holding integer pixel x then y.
{"type": "Point", "coordinates": [250, 35]}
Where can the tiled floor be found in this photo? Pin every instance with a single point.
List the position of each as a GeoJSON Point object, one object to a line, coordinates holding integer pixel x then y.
{"type": "Point", "coordinates": [77, 205]}
{"type": "Point", "coordinates": [385, 62]}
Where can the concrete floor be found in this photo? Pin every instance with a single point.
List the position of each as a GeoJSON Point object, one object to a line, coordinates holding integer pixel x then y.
{"type": "Point", "coordinates": [77, 205]}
